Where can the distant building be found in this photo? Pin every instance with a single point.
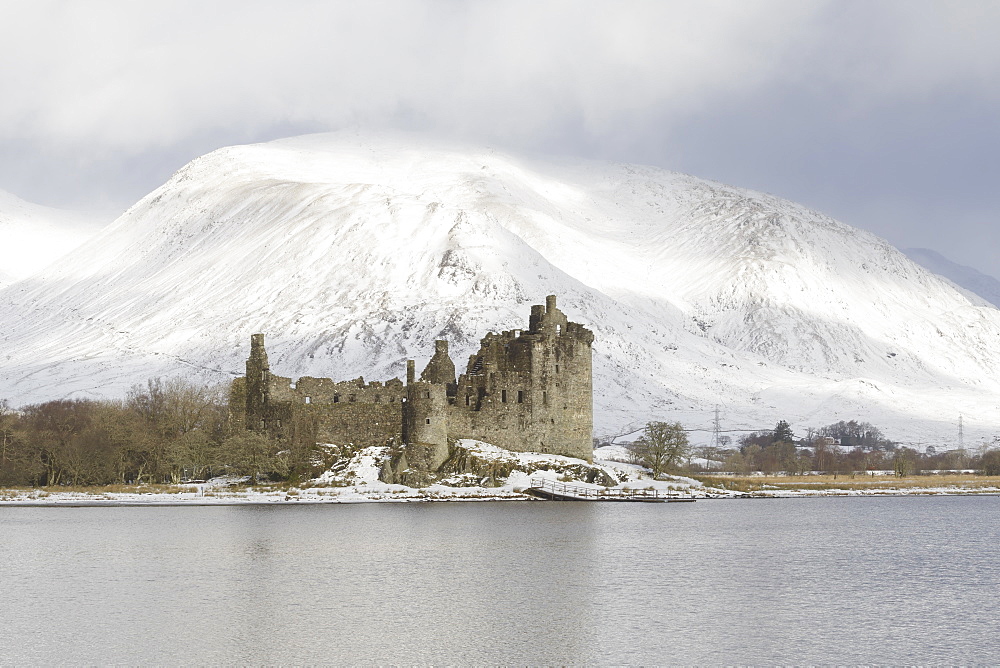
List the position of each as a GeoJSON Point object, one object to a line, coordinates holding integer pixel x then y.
{"type": "Point", "coordinates": [525, 390]}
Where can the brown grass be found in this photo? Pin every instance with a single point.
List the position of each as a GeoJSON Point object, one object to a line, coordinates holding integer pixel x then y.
{"type": "Point", "coordinates": [860, 481]}
{"type": "Point", "coordinates": [42, 492]}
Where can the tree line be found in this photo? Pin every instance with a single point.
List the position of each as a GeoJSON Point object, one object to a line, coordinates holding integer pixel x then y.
{"type": "Point", "coordinates": [842, 447]}
{"type": "Point", "coordinates": [166, 431]}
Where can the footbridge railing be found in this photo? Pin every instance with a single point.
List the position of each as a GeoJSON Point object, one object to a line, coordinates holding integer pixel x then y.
{"type": "Point", "coordinates": [555, 489]}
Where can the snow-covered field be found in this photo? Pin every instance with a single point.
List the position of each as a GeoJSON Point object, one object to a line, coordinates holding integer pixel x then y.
{"type": "Point", "coordinates": [354, 253]}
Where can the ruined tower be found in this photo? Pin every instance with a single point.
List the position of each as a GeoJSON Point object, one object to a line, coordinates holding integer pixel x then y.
{"type": "Point", "coordinates": [257, 384]}
{"type": "Point", "coordinates": [530, 390]}
{"type": "Point", "coordinates": [425, 415]}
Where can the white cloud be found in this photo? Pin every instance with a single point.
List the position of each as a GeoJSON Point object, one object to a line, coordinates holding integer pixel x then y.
{"type": "Point", "coordinates": [131, 76]}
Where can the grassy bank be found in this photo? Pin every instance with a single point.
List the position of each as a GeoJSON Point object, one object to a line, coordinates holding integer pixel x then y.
{"type": "Point", "coordinates": [969, 483]}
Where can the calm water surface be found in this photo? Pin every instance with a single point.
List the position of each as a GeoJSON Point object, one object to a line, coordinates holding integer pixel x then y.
{"type": "Point", "coordinates": [865, 580]}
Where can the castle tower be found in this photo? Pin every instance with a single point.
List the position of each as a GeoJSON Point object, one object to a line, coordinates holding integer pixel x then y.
{"type": "Point", "coordinates": [425, 421]}
{"type": "Point", "coordinates": [257, 384]}
{"type": "Point", "coordinates": [531, 390]}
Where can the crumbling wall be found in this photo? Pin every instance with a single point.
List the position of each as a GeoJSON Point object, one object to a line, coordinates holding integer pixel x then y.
{"type": "Point", "coordinates": [524, 391]}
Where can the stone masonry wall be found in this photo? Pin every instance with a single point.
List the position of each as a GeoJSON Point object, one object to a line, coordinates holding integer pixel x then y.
{"type": "Point", "coordinates": [525, 390]}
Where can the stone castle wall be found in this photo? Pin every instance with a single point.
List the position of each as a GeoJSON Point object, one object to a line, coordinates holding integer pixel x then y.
{"type": "Point", "coordinates": [525, 390]}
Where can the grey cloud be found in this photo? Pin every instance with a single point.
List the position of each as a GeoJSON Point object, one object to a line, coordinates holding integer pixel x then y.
{"type": "Point", "coordinates": [131, 77]}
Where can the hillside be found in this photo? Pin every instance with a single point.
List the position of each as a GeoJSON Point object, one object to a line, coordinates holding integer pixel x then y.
{"type": "Point", "coordinates": [352, 253]}
{"type": "Point", "coordinates": [35, 236]}
{"type": "Point", "coordinates": [967, 278]}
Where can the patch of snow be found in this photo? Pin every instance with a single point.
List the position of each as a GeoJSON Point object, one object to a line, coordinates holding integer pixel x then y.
{"type": "Point", "coordinates": [618, 453]}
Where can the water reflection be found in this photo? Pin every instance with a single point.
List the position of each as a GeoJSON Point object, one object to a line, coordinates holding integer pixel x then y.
{"type": "Point", "coordinates": [793, 581]}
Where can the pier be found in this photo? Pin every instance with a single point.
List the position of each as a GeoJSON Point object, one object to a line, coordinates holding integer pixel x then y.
{"type": "Point", "coordinates": [553, 490]}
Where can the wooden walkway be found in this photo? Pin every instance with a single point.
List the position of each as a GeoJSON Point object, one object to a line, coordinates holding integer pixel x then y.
{"type": "Point", "coordinates": [553, 490]}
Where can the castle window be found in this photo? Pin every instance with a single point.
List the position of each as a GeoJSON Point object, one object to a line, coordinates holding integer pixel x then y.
{"type": "Point", "coordinates": [427, 421]}
{"type": "Point", "coordinates": [557, 368]}
{"type": "Point", "coordinates": [468, 400]}
{"type": "Point", "coordinates": [336, 398]}
{"type": "Point", "coordinates": [558, 330]}
{"type": "Point", "coordinates": [520, 396]}
{"type": "Point", "coordinates": [427, 395]}
{"type": "Point", "coordinates": [503, 396]}
{"type": "Point", "coordinates": [309, 400]}
{"type": "Point", "coordinates": [263, 424]}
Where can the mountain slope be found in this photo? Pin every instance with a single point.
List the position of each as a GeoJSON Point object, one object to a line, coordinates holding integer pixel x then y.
{"type": "Point", "coordinates": [353, 253]}
{"type": "Point", "coordinates": [35, 236]}
{"type": "Point", "coordinates": [973, 280]}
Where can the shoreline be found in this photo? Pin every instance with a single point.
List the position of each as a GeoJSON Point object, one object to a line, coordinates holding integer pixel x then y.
{"type": "Point", "coordinates": [98, 499]}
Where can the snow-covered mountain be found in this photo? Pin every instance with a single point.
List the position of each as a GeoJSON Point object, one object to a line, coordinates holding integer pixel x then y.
{"type": "Point", "coordinates": [352, 253]}
{"type": "Point", "coordinates": [35, 236]}
{"type": "Point", "coordinates": [973, 280]}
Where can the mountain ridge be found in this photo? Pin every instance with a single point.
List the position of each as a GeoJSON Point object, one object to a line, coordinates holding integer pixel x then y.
{"type": "Point", "coordinates": [353, 253]}
{"type": "Point", "coordinates": [982, 285]}
{"type": "Point", "coordinates": [35, 235]}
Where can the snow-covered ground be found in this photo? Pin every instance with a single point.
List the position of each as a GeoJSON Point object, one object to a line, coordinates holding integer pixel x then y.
{"type": "Point", "coordinates": [35, 236]}
{"type": "Point", "coordinates": [359, 483]}
{"type": "Point", "coordinates": [353, 253]}
{"type": "Point", "coordinates": [980, 284]}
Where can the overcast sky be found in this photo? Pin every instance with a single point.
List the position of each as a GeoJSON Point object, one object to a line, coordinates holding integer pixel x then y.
{"type": "Point", "coordinates": [881, 114]}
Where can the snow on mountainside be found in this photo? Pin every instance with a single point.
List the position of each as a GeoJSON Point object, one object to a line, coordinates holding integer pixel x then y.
{"type": "Point", "coordinates": [982, 285]}
{"type": "Point", "coordinates": [353, 253]}
{"type": "Point", "coordinates": [35, 236]}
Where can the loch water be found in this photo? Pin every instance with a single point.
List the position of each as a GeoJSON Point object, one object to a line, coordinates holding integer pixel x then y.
{"type": "Point", "coordinates": [900, 580]}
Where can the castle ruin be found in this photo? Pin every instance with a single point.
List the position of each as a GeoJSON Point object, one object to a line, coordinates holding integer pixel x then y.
{"type": "Point", "coordinates": [525, 390]}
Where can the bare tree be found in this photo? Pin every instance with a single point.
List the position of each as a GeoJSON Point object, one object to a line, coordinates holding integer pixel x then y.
{"type": "Point", "coordinates": [662, 447]}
